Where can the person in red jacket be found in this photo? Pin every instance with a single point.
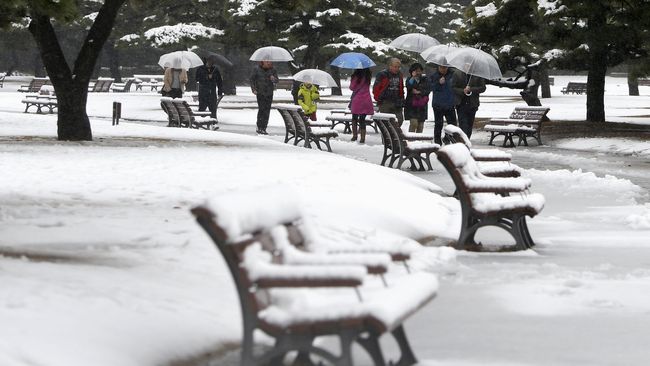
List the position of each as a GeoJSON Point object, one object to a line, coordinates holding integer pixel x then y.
{"type": "Point", "coordinates": [388, 90]}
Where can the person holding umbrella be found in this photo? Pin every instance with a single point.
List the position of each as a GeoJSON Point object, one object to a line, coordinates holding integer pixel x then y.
{"type": "Point", "coordinates": [360, 102]}
{"type": "Point", "coordinates": [444, 100]}
{"type": "Point", "coordinates": [210, 85]}
{"type": "Point", "coordinates": [467, 89]}
{"type": "Point", "coordinates": [263, 80]}
{"type": "Point", "coordinates": [175, 79]}
{"type": "Point", "coordinates": [388, 90]}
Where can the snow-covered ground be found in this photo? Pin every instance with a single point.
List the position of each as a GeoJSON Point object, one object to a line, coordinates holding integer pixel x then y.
{"type": "Point", "coordinates": [102, 264]}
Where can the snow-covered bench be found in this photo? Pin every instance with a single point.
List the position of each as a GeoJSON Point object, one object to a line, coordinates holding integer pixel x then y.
{"type": "Point", "coordinates": [344, 117]}
{"type": "Point", "coordinates": [491, 162]}
{"type": "Point", "coordinates": [289, 125]}
{"type": "Point", "coordinates": [487, 201]}
{"type": "Point", "coordinates": [310, 132]}
{"type": "Point", "coordinates": [122, 87]}
{"type": "Point", "coordinates": [34, 85]}
{"type": "Point", "coordinates": [524, 122]}
{"type": "Point", "coordinates": [400, 146]}
{"type": "Point", "coordinates": [2, 79]}
{"type": "Point", "coordinates": [296, 297]}
{"type": "Point", "coordinates": [193, 119]}
{"type": "Point", "coordinates": [40, 102]}
{"type": "Point", "coordinates": [574, 87]}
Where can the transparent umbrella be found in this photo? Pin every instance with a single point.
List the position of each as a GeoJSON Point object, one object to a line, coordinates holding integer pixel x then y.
{"type": "Point", "coordinates": [439, 54]}
{"type": "Point", "coordinates": [315, 76]}
{"type": "Point", "coordinates": [475, 62]}
{"type": "Point", "coordinates": [415, 42]}
{"type": "Point", "coordinates": [271, 53]}
{"type": "Point", "coordinates": [180, 60]}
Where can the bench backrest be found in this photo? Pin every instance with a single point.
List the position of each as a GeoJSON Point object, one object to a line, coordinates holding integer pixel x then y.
{"type": "Point", "coordinates": [302, 127]}
{"type": "Point", "coordinates": [184, 112]}
{"type": "Point", "coordinates": [529, 113]}
{"type": "Point", "coordinates": [454, 134]}
{"type": "Point", "coordinates": [36, 84]}
{"type": "Point", "coordinates": [288, 120]}
{"type": "Point", "coordinates": [576, 85]}
{"type": "Point", "coordinates": [172, 113]}
{"type": "Point", "coordinates": [106, 86]}
{"type": "Point", "coordinates": [98, 85]}
{"type": "Point", "coordinates": [387, 137]}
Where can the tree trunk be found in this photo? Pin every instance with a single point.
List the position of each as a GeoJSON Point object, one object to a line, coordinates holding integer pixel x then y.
{"type": "Point", "coordinates": [597, 68]}
{"type": "Point", "coordinates": [632, 84]}
{"type": "Point", "coordinates": [113, 55]}
{"type": "Point", "coordinates": [38, 66]}
{"type": "Point", "coordinates": [336, 74]}
{"type": "Point", "coordinates": [71, 86]}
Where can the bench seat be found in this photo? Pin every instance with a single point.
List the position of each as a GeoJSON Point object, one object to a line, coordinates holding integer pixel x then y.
{"type": "Point", "coordinates": [489, 203]}
{"type": "Point", "coordinates": [499, 169]}
{"type": "Point", "coordinates": [524, 122]}
{"type": "Point", "coordinates": [382, 307]}
{"type": "Point", "coordinates": [40, 102]}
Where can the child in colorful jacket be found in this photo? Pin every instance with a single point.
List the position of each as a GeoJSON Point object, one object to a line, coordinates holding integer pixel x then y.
{"type": "Point", "coordinates": [308, 95]}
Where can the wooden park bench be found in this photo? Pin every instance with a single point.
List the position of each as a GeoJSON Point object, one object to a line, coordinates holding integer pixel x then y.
{"type": "Point", "coordinates": [574, 87]}
{"type": "Point", "coordinates": [644, 82]}
{"type": "Point", "coordinates": [180, 114]}
{"type": "Point", "coordinates": [338, 297]}
{"type": "Point", "coordinates": [400, 146]}
{"type": "Point", "coordinates": [551, 80]}
{"type": "Point", "coordinates": [289, 124]}
{"type": "Point", "coordinates": [100, 85]}
{"type": "Point", "coordinates": [491, 162]}
{"type": "Point", "coordinates": [487, 201]}
{"type": "Point", "coordinates": [122, 87]}
{"type": "Point", "coordinates": [2, 80]}
{"type": "Point", "coordinates": [524, 122]}
{"type": "Point", "coordinates": [40, 102]}
{"type": "Point", "coordinates": [285, 83]}
{"type": "Point", "coordinates": [305, 130]}
{"type": "Point", "coordinates": [193, 119]}
{"type": "Point", "coordinates": [34, 85]}
{"type": "Point", "coordinates": [344, 117]}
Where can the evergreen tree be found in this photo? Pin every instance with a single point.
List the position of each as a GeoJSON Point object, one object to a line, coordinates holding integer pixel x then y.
{"type": "Point", "coordinates": [70, 83]}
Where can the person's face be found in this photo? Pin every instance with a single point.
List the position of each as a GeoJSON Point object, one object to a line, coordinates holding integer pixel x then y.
{"type": "Point", "coordinates": [394, 67]}
{"type": "Point", "coordinates": [443, 69]}
{"type": "Point", "coordinates": [416, 73]}
{"type": "Point", "coordinates": [267, 64]}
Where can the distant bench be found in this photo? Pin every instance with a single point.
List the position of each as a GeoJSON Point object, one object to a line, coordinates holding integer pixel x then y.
{"type": "Point", "coordinates": [344, 117]}
{"type": "Point", "coordinates": [574, 87]}
{"type": "Point", "coordinates": [284, 83]}
{"type": "Point", "coordinates": [34, 85]}
{"type": "Point", "coordinates": [40, 102]}
{"type": "Point", "coordinates": [524, 122]}
{"type": "Point", "coordinates": [644, 82]}
{"type": "Point", "coordinates": [2, 80]}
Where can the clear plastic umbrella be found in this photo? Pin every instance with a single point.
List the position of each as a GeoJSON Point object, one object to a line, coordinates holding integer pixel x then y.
{"type": "Point", "coordinates": [439, 54]}
{"type": "Point", "coordinates": [415, 42]}
{"type": "Point", "coordinates": [180, 60]}
{"type": "Point", "coordinates": [271, 53]}
{"type": "Point", "coordinates": [315, 76]}
{"type": "Point", "coordinates": [475, 62]}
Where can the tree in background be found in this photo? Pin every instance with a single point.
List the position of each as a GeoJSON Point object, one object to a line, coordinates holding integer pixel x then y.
{"type": "Point", "coordinates": [595, 35]}
{"type": "Point", "coordinates": [439, 18]}
{"type": "Point", "coordinates": [70, 83]}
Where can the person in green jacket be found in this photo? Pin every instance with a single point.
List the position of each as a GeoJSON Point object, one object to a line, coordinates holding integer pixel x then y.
{"type": "Point", "coordinates": [308, 95]}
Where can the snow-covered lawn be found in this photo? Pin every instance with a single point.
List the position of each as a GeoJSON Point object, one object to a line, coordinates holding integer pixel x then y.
{"type": "Point", "coordinates": [102, 264]}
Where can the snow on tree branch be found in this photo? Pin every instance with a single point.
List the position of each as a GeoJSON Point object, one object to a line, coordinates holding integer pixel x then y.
{"type": "Point", "coordinates": [172, 34]}
{"type": "Point", "coordinates": [358, 41]}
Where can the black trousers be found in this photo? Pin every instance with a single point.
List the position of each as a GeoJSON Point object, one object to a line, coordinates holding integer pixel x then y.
{"type": "Point", "coordinates": [439, 115]}
{"type": "Point", "coordinates": [466, 116]}
{"type": "Point", "coordinates": [208, 99]}
{"type": "Point", "coordinates": [175, 93]}
{"type": "Point", "coordinates": [263, 111]}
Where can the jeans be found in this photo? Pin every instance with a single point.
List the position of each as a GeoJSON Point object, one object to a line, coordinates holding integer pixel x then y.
{"type": "Point", "coordinates": [264, 109]}
{"type": "Point", "coordinates": [439, 115]}
{"type": "Point", "coordinates": [466, 116]}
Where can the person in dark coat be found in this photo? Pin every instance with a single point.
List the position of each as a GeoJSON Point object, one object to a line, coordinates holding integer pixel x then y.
{"type": "Point", "coordinates": [417, 98]}
{"type": "Point", "coordinates": [388, 90]}
{"type": "Point", "coordinates": [444, 100]}
{"type": "Point", "coordinates": [467, 89]}
{"type": "Point", "coordinates": [263, 80]}
{"type": "Point", "coordinates": [210, 86]}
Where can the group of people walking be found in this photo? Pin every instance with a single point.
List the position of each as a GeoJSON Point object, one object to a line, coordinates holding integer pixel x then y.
{"type": "Point", "coordinates": [455, 96]}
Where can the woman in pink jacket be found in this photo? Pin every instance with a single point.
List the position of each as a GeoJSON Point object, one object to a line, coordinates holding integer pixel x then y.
{"type": "Point", "coordinates": [360, 103]}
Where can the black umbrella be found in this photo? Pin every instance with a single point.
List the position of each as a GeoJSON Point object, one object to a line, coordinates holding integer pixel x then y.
{"type": "Point", "coordinates": [219, 59]}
